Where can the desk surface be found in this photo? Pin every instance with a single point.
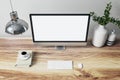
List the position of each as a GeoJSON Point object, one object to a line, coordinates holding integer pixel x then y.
{"type": "Point", "coordinates": [99, 63]}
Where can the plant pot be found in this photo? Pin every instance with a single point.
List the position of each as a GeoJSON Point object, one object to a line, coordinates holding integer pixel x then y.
{"type": "Point", "coordinates": [100, 36]}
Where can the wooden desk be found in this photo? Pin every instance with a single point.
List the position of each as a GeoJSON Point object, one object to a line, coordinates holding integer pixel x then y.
{"type": "Point", "coordinates": [99, 63]}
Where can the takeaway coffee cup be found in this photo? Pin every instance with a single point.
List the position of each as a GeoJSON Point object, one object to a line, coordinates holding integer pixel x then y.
{"type": "Point", "coordinates": [24, 55]}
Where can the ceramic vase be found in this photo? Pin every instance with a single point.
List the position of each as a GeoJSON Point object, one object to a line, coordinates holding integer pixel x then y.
{"type": "Point", "coordinates": [100, 36]}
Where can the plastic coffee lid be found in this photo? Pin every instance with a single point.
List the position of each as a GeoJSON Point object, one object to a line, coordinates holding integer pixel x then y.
{"type": "Point", "coordinates": [24, 57]}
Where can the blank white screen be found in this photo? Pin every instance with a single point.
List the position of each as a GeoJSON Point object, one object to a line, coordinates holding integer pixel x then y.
{"type": "Point", "coordinates": [60, 28]}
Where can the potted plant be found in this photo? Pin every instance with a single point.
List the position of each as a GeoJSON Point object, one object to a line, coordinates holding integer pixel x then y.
{"type": "Point", "coordinates": [100, 34]}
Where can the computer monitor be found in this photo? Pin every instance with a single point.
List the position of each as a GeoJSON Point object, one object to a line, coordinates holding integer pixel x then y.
{"type": "Point", "coordinates": [60, 29]}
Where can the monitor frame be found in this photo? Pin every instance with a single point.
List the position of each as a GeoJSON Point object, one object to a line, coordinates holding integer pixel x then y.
{"type": "Point", "coordinates": [60, 43]}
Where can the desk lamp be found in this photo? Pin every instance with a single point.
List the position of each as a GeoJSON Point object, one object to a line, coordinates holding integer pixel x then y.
{"type": "Point", "coordinates": [15, 25]}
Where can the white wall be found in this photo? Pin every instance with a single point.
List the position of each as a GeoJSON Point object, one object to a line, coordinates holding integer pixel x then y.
{"type": "Point", "coordinates": [25, 7]}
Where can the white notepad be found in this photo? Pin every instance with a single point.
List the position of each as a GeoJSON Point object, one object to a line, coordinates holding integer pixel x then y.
{"type": "Point", "coordinates": [59, 64]}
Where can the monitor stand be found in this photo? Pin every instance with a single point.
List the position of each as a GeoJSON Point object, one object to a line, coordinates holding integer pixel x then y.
{"type": "Point", "coordinates": [60, 47]}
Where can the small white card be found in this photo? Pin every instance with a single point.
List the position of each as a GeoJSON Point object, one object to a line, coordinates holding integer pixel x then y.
{"type": "Point", "coordinates": [59, 64]}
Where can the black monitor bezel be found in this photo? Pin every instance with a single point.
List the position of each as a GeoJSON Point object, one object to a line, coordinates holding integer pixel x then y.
{"type": "Point", "coordinates": [59, 15]}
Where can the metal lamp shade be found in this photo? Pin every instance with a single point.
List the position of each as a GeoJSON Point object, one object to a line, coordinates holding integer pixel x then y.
{"type": "Point", "coordinates": [16, 25]}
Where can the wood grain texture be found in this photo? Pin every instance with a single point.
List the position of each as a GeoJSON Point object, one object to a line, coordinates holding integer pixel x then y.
{"type": "Point", "coordinates": [98, 63]}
